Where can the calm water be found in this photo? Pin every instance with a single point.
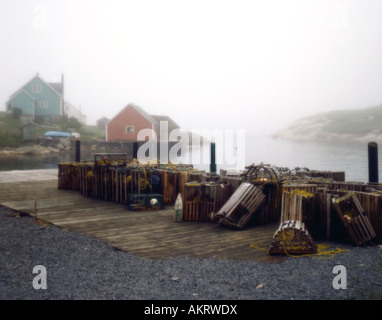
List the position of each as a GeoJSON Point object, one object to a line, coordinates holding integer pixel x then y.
{"type": "Point", "coordinates": [351, 158]}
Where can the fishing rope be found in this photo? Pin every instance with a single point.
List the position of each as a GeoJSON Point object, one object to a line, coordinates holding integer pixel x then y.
{"type": "Point", "coordinates": [322, 251]}
{"type": "Point", "coordinates": [299, 192]}
{"type": "Point", "coordinates": [254, 245]}
{"type": "Point", "coordinates": [144, 182]}
{"type": "Point", "coordinates": [229, 223]}
{"type": "Point", "coordinates": [90, 175]}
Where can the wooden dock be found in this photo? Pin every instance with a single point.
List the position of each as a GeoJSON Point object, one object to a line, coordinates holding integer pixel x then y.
{"type": "Point", "coordinates": [149, 234]}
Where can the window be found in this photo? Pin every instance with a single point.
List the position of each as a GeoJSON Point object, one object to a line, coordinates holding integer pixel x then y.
{"type": "Point", "coordinates": [129, 129]}
{"type": "Point", "coordinates": [43, 104]}
{"type": "Point", "coordinates": [36, 88]}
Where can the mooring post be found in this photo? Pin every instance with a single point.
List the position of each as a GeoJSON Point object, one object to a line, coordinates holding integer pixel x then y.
{"type": "Point", "coordinates": [135, 150]}
{"type": "Point", "coordinates": [213, 158]}
{"type": "Point", "coordinates": [78, 150]}
{"type": "Point", "coordinates": [373, 162]}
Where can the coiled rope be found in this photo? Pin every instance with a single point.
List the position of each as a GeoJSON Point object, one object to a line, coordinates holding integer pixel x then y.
{"type": "Point", "coordinates": [321, 253]}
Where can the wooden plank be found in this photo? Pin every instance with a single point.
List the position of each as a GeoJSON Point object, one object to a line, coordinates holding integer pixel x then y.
{"type": "Point", "coordinates": [150, 234]}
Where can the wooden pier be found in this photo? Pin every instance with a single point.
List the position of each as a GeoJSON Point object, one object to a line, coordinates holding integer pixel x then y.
{"type": "Point", "coordinates": [95, 200]}
{"type": "Point", "coordinates": [149, 234]}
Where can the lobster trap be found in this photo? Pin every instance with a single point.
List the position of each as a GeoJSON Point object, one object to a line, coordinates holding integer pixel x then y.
{"type": "Point", "coordinates": [292, 237]}
{"type": "Point", "coordinates": [353, 217]}
{"type": "Point", "coordinates": [140, 202]}
{"type": "Point", "coordinates": [241, 206]}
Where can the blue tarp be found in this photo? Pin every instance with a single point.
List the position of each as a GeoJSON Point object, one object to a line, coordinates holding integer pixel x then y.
{"type": "Point", "coordinates": [57, 134]}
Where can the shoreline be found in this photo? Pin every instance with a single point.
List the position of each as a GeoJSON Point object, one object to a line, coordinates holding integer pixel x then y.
{"type": "Point", "coordinates": [306, 131]}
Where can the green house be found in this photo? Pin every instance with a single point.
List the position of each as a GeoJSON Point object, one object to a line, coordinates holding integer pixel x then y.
{"type": "Point", "coordinates": [38, 99]}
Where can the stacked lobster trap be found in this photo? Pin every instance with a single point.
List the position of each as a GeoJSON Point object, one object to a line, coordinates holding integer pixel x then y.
{"type": "Point", "coordinates": [124, 181]}
{"type": "Point", "coordinates": [307, 204]}
{"type": "Point", "coordinates": [202, 200]}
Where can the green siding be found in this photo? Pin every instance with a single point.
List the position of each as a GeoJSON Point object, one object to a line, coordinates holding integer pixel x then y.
{"type": "Point", "coordinates": [47, 100]}
{"type": "Point", "coordinates": [24, 102]}
{"type": "Point", "coordinates": [47, 95]}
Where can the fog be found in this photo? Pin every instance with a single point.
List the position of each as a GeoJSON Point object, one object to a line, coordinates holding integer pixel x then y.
{"type": "Point", "coordinates": [254, 65]}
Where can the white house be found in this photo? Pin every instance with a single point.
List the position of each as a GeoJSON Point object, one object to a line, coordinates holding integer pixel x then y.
{"type": "Point", "coordinates": [72, 112]}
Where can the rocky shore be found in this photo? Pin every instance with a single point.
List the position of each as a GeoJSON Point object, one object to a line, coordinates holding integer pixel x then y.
{"type": "Point", "coordinates": [27, 150]}
{"type": "Point", "coordinates": [315, 128]}
{"type": "Point", "coordinates": [65, 145]}
{"type": "Point", "coordinates": [56, 146]}
{"type": "Point", "coordinates": [307, 132]}
{"type": "Point", "coordinates": [46, 147]}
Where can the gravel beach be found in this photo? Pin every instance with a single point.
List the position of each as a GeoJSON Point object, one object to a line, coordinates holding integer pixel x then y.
{"type": "Point", "coordinates": [79, 267]}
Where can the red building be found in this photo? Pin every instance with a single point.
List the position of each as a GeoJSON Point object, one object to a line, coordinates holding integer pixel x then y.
{"type": "Point", "coordinates": [126, 125]}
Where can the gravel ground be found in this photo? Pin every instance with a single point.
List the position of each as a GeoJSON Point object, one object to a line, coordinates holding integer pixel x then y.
{"type": "Point", "coordinates": [79, 267]}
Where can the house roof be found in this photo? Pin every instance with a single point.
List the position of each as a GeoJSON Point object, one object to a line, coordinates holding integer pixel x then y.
{"type": "Point", "coordinates": [22, 91]}
{"type": "Point", "coordinates": [145, 114]}
{"type": "Point", "coordinates": [171, 123]}
{"type": "Point", "coordinates": [154, 119]}
{"type": "Point", "coordinates": [67, 105]}
{"type": "Point", "coordinates": [56, 87]}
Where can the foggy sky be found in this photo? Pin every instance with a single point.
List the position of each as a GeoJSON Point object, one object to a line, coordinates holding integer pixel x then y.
{"type": "Point", "coordinates": [254, 65]}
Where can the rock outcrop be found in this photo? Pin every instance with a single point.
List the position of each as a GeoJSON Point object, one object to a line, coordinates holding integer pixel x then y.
{"type": "Point", "coordinates": [352, 126]}
{"type": "Point", "coordinates": [44, 148]}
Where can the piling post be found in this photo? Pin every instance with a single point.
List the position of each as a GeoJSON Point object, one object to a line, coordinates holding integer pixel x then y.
{"type": "Point", "coordinates": [213, 158]}
{"type": "Point", "coordinates": [78, 150]}
{"type": "Point", "coordinates": [135, 150]}
{"type": "Point", "coordinates": [373, 162]}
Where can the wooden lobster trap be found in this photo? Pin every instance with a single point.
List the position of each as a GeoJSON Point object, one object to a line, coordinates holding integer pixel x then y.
{"type": "Point", "coordinates": [213, 196]}
{"type": "Point", "coordinates": [324, 175]}
{"type": "Point", "coordinates": [271, 208]}
{"type": "Point", "coordinates": [298, 202]}
{"type": "Point", "coordinates": [139, 202]}
{"type": "Point", "coordinates": [68, 176]}
{"type": "Point", "coordinates": [353, 217]}
{"type": "Point", "coordinates": [191, 201]}
{"type": "Point", "coordinates": [85, 179]}
{"type": "Point", "coordinates": [335, 175]}
{"type": "Point", "coordinates": [372, 204]}
{"type": "Point", "coordinates": [168, 181]}
{"type": "Point", "coordinates": [102, 180]}
{"type": "Point", "coordinates": [201, 201]}
{"type": "Point", "coordinates": [122, 184]}
{"type": "Point", "coordinates": [323, 224]}
{"type": "Point", "coordinates": [348, 186]}
{"type": "Point", "coordinates": [263, 173]}
{"type": "Point", "coordinates": [293, 238]}
{"type": "Point", "coordinates": [269, 179]}
{"type": "Point", "coordinates": [241, 206]}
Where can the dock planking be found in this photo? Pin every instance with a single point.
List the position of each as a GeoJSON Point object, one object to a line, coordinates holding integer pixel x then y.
{"type": "Point", "coordinates": [148, 234]}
